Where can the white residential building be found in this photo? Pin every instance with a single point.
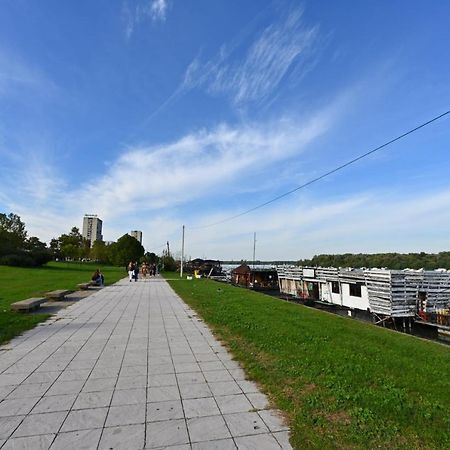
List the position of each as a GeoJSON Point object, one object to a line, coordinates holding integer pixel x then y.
{"type": "Point", "coordinates": [92, 228]}
{"type": "Point", "coordinates": [137, 235]}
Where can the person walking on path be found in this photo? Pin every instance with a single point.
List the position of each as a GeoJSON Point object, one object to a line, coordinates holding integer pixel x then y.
{"type": "Point", "coordinates": [136, 271]}
{"type": "Point", "coordinates": [130, 269]}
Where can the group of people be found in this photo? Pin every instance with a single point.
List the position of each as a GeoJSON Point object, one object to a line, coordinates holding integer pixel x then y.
{"type": "Point", "coordinates": [146, 269]}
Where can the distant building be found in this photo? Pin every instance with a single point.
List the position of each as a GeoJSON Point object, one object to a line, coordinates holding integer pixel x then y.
{"type": "Point", "coordinates": [137, 235]}
{"type": "Point", "coordinates": [92, 228]}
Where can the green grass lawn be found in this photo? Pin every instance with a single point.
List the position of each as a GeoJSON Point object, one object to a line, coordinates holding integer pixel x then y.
{"type": "Point", "coordinates": [343, 384]}
{"type": "Point", "coordinates": [18, 283]}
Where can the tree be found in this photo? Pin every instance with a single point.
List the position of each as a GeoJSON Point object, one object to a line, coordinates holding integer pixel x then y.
{"type": "Point", "coordinates": [38, 251]}
{"type": "Point", "coordinates": [99, 252]}
{"type": "Point", "coordinates": [71, 244]}
{"type": "Point", "coordinates": [12, 234]}
{"type": "Point", "coordinates": [152, 258]}
{"type": "Point", "coordinates": [126, 249]}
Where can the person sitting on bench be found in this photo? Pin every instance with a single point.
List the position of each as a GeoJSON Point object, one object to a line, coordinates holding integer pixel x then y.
{"type": "Point", "coordinates": [98, 278]}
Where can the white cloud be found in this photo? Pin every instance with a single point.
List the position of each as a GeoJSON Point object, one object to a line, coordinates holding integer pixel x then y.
{"type": "Point", "coordinates": [140, 11]}
{"type": "Point", "coordinates": [274, 52]}
{"type": "Point", "coordinates": [199, 164]}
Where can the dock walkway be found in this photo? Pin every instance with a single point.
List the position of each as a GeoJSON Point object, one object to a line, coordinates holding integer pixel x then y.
{"type": "Point", "coordinates": [129, 367]}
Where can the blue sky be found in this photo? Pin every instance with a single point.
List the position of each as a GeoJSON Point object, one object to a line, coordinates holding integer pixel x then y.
{"type": "Point", "coordinates": [158, 113]}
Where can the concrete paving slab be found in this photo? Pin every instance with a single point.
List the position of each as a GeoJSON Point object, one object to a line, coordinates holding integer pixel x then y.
{"type": "Point", "coordinates": [41, 442]}
{"type": "Point", "coordinates": [131, 366]}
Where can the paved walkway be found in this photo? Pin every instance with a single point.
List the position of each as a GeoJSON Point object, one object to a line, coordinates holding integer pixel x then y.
{"type": "Point", "coordinates": [129, 367]}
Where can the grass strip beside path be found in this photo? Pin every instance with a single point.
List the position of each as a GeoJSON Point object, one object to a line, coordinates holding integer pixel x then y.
{"type": "Point", "coordinates": [17, 283]}
{"type": "Point", "coordinates": [342, 383]}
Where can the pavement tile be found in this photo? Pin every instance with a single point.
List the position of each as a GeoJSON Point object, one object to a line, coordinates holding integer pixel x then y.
{"type": "Point", "coordinates": [200, 407]}
{"type": "Point", "coordinates": [244, 424]}
{"type": "Point", "coordinates": [237, 374]}
{"type": "Point", "coordinates": [99, 384]}
{"type": "Point", "coordinates": [217, 375]}
{"type": "Point", "coordinates": [222, 444]}
{"type": "Point", "coordinates": [129, 397]}
{"type": "Point", "coordinates": [17, 407]}
{"type": "Point", "coordinates": [85, 419]}
{"type": "Point", "coordinates": [127, 437]}
{"type": "Point", "coordinates": [5, 390]}
{"type": "Point", "coordinates": [42, 377]}
{"type": "Point", "coordinates": [166, 433]}
{"type": "Point", "coordinates": [190, 377]}
{"type": "Point", "coordinates": [72, 375]}
{"type": "Point", "coordinates": [207, 428]}
{"type": "Point", "coordinates": [54, 403]}
{"type": "Point", "coordinates": [126, 415]}
{"type": "Point", "coordinates": [41, 442]}
{"type": "Point", "coordinates": [104, 372]}
{"type": "Point", "coordinates": [168, 410]}
{"type": "Point", "coordinates": [187, 367]}
{"type": "Point", "coordinates": [8, 425]}
{"type": "Point", "coordinates": [167, 379]}
{"type": "Point", "coordinates": [258, 442]}
{"type": "Point", "coordinates": [258, 400]}
{"type": "Point", "coordinates": [282, 438]}
{"type": "Point", "coordinates": [161, 368]}
{"type": "Point", "coordinates": [79, 440]}
{"type": "Point", "coordinates": [211, 365]}
{"type": "Point", "coordinates": [197, 390]}
{"type": "Point", "coordinates": [229, 404]}
{"type": "Point", "coordinates": [86, 400]}
{"type": "Point", "coordinates": [29, 390]}
{"type": "Point", "coordinates": [206, 357]}
{"type": "Point", "coordinates": [162, 393]}
{"type": "Point", "coordinates": [224, 388]}
{"type": "Point", "coordinates": [248, 387]}
{"type": "Point", "coordinates": [65, 387]}
{"type": "Point", "coordinates": [273, 420]}
{"type": "Point", "coordinates": [40, 424]}
{"type": "Point", "coordinates": [12, 378]}
{"type": "Point", "coordinates": [132, 371]}
{"type": "Point", "coordinates": [131, 382]}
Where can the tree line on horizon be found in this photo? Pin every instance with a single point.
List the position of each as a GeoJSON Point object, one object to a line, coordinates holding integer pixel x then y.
{"type": "Point", "coordinates": [17, 249]}
{"type": "Point", "coordinates": [394, 261]}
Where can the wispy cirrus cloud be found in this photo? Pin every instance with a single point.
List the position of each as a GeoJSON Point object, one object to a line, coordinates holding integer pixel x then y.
{"type": "Point", "coordinates": [268, 59]}
{"type": "Point", "coordinates": [135, 13]}
{"type": "Point", "coordinates": [19, 77]}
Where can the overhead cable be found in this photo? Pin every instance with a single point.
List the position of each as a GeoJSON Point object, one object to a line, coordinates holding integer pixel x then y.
{"type": "Point", "coordinates": [326, 174]}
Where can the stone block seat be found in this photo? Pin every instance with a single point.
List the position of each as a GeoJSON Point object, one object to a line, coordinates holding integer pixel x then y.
{"type": "Point", "coordinates": [28, 305]}
{"type": "Point", "coordinates": [59, 294]}
{"type": "Point", "coordinates": [85, 286]}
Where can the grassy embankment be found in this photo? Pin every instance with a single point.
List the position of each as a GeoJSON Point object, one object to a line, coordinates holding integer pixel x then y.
{"type": "Point", "coordinates": [18, 283]}
{"type": "Point", "coordinates": [342, 383]}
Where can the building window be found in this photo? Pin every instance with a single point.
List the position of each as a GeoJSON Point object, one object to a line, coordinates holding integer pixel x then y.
{"type": "Point", "coordinates": [355, 290]}
{"type": "Point", "coordinates": [335, 289]}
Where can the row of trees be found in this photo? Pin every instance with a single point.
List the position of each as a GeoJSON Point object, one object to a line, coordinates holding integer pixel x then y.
{"type": "Point", "coordinates": [16, 248]}
{"type": "Point", "coordinates": [395, 261]}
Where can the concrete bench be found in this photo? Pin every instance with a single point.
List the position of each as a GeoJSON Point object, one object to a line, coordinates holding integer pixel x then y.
{"type": "Point", "coordinates": [59, 294]}
{"type": "Point", "coordinates": [84, 286]}
{"type": "Point", "coordinates": [28, 305]}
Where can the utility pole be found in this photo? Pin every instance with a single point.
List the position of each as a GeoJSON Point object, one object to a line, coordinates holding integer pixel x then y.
{"type": "Point", "coordinates": [254, 248]}
{"type": "Point", "coordinates": [182, 254]}
{"type": "Point", "coordinates": [168, 249]}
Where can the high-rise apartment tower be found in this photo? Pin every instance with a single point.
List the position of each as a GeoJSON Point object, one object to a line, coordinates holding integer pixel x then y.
{"type": "Point", "coordinates": [137, 235]}
{"type": "Point", "coordinates": [92, 228]}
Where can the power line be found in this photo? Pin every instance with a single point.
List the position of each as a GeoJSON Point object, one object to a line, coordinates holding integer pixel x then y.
{"type": "Point", "coordinates": [326, 174]}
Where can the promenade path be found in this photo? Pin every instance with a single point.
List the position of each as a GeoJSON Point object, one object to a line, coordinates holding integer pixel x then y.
{"type": "Point", "coordinates": [129, 367]}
